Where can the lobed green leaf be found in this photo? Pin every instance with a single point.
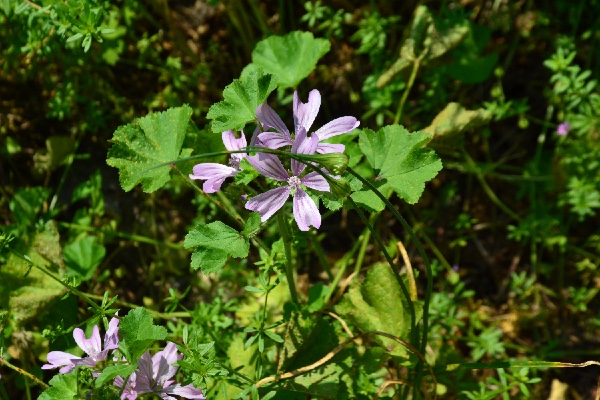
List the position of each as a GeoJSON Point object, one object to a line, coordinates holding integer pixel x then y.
{"type": "Point", "coordinates": [241, 98]}
{"type": "Point", "coordinates": [290, 58]}
{"type": "Point", "coordinates": [141, 148]}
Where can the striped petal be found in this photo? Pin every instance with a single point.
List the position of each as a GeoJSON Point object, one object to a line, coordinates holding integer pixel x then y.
{"type": "Point", "coordinates": [302, 145]}
{"type": "Point", "coordinates": [306, 212]}
{"type": "Point", "coordinates": [337, 127]}
{"type": "Point", "coordinates": [326, 148]}
{"type": "Point", "coordinates": [268, 203]}
{"type": "Point", "coordinates": [91, 346]}
{"type": "Point", "coordinates": [212, 171]}
{"type": "Point", "coordinates": [305, 114]}
{"type": "Point", "coordinates": [315, 181]}
{"type": "Point", "coordinates": [232, 143]}
{"type": "Point", "coordinates": [269, 165]}
{"type": "Point", "coordinates": [274, 140]}
{"type": "Point", "coordinates": [267, 116]}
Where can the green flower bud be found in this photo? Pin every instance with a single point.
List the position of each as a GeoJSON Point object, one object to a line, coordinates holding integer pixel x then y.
{"type": "Point", "coordinates": [340, 188]}
{"type": "Point", "coordinates": [335, 163]}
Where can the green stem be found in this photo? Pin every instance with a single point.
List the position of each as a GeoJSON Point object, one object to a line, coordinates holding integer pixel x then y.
{"type": "Point", "coordinates": [69, 287]}
{"type": "Point", "coordinates": [287, 244]}
{"type": "Point", "coordinates": [343, 265]}
{"type": "Point", "coordinates": [228, 210]}
{"type": "Point", "coordinates": [428, 289]}
{"type": "Point", "coordinates": [318, 249]}
{"type": "Point", "coordinates": [403, 288]}
{"type": "Point", "coordinates": [366, 238]}
{"type": "Point", "coordinates": [155, 314]}
{"type": "Point", "coordinates": [409, 85]}
{"type": "Point", "coordinates": [4, 362]}
{"type": "Point", "coordinates": [488, 190]}
{"type": "Point", "coordinates": [132, 237]}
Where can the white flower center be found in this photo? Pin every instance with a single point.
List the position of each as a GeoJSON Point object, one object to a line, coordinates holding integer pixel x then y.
{"type": "Point", "coordinates": [294, 182]}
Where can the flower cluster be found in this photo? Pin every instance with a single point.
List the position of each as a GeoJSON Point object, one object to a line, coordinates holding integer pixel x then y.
{"type": "Point", "coordinates": [276, 135]}
{"type": "Point", "coordinates": [153, 375]}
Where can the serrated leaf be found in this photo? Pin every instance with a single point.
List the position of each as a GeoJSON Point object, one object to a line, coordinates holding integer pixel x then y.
{"type": "Point", "coordinates": [252, 224]}
{"type": "Point", "coordinates": [400, 163]}
{"type": "Point", "coordinates": [138, 333]}
{"type": "Point", "coordinates": [62, 386]}
{"type": "Point", "coordinates": [241, 98]}
{"type": "Point", "coordinates": [290, 58]}
{"type": "Point", "coordinates": [111, 372]}
{"type": "Point", "coordinates": [215, 243]}
{"type": "Point", "coordinates": [377, 304]}
{"type": "Point", "coordinates": [83, 256]}
{"type": "Point", "coordinates": [247, 174]}
{"type": "Point", "coordinates": [141, 147]}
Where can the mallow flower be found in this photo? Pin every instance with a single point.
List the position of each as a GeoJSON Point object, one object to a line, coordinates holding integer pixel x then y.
{"type": "Point", "coordinates": [92, 347]}
{"type": "Point", "coordinates": [563, 128]}
{"type": "Point", "coordinates": [154, 375]}
{"type": "Point", "coordinates": [215, 174]}
{"type": "Point", "coordinates": [304, 116]}
{"type": "Point", "coordinates": [266, 204]}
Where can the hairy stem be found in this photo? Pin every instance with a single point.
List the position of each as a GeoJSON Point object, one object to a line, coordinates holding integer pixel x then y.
{"type": "Point", "coordinates": [289, 266]}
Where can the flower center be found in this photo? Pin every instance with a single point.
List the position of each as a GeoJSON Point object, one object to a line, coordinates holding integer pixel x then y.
{"type": "Point", "coordinates": [294, 182]}
{"type": "Point", "coordinates": [234, 161]}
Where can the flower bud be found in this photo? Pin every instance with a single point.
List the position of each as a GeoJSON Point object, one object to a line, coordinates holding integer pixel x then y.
{"type": "Point", "coordinates": [335, 163]}
{"type": "Point", "coordinates": [340, 188]}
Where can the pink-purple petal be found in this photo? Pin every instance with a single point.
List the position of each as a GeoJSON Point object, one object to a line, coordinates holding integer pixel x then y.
{"type": "Point", "coordinates": [111, 337]}
{"type": "Point", "coordinates": [232, 143]}
{"type": "Point", "coordinates": [268, 203]}
{"type": "Point", "coordinates": [302, 145]}
{"type": "Point", "coordinates": [305, 113]}
{"type": "Point", "coordinates": [254, 139]}
{"type": "Point", "coordinates": [326, 148]}
{"type": "Point", "coordinates": [274, 140]}
{"type": "Point", "coordinates": [212, 171]}
{"type": "Point", "coordinates": [188, 391]}
{"type": "Point", "coordinates": [213, 185]}
{"type": "Point", "coordinates": [267, 116]}
{"type": "Point", "coordinates": [306, 212]}
{"type": "Point", "coordinates": [269, 165]}
{"type": "Point", "coordinates": [315, 181]}
{"type": "Point", "coordinates": [61, 359]}
{"type": "Point", "coordinates": [337, 127]}
{"type": "Point", "coordinates": [91, 346]}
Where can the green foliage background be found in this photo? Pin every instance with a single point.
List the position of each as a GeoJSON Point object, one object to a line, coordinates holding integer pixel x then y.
{"type": "Point", "coordinates": [511, 221]}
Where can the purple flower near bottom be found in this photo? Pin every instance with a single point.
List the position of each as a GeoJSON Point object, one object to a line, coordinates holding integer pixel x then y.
{"type": "Point", "coordinates": [563, 128]}
{"type": "Point", "coordinates": [92, 347]}
{"type": "Point", "coordinates": [215, 174]}
{"type": "Point", "coordinates": [266, 204]}
{"type": "Point", "coordinates": [154, 376]}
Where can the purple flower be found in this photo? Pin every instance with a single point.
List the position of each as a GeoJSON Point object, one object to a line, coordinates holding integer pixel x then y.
{"type": "Point", "coordinates": [266, 204]}
{"type": "Point", "coordinates": [92, 347]}
{"type": "Point", "coordinates": [215, 174]}
{"type": "Point", "coordinates": [563, 128]}
{"type": "Point", "coordinates": [154, 376]}
{"type": "Point", "coordinates": [304, 116]}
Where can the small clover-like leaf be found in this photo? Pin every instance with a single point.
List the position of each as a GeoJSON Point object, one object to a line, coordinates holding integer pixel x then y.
{"type": "Point", "coordinates": [215, 243]}
{"type": "Point", "coordinates": [401, 164]}
{"type": "Point", "coordinates": [241, 98]}
{"type": "Point", "coordinates": [290, 58]}
{"type": "Point", "coordinates": [141, 148]}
